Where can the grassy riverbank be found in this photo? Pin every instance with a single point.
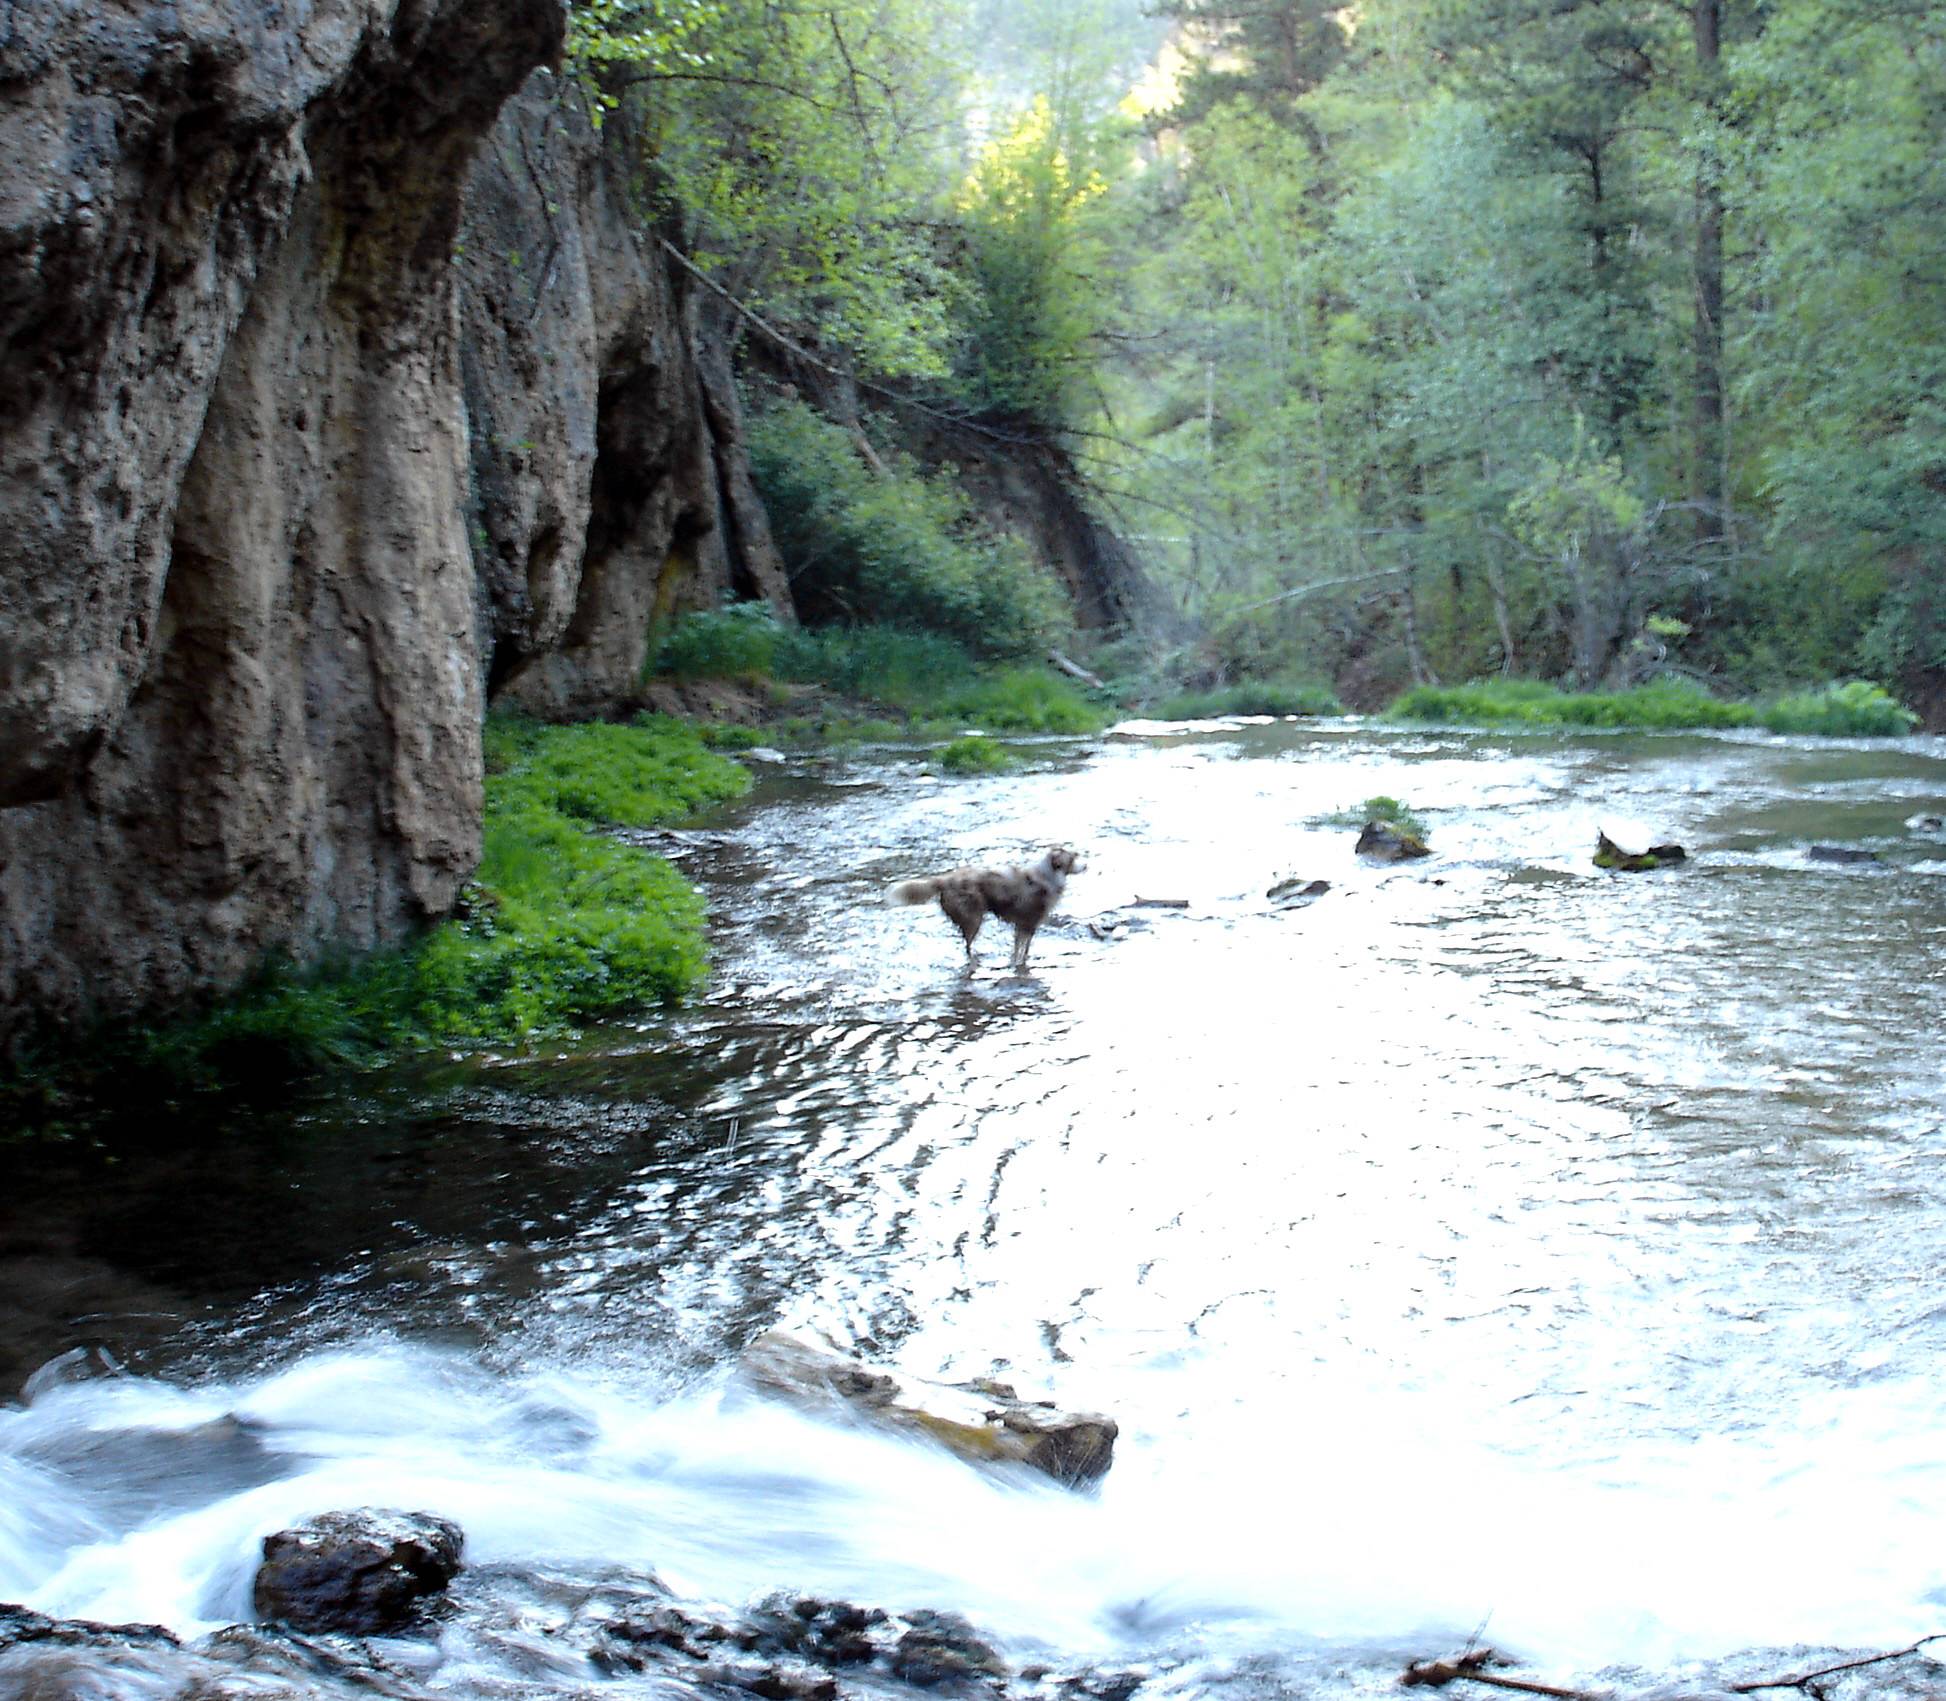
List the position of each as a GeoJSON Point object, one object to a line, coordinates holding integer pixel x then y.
{"type": "Point", "coordinates": [1855, 709]}
{"type": "Point", "coordinates": [877, 681]}
{"type": "Point", "coordinates": [562, 924]}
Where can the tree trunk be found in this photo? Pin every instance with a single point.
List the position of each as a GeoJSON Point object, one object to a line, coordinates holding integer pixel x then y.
{"type": "Point", "coordinates": [1706, 415]}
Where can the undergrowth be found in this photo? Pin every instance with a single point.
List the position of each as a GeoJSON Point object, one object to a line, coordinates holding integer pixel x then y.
{"type": "Point", "coordinates": [930, 680]}
{"type": "Point", "coordinates": [976, 754]}
{"type": "Point", "coordinates": [1856, 708]}
{"type": "Point", "coordinates": [1253, 697]}
{"type": "Point", "coordinates": [1386, 809]}
{"type": "Point", "coordinates": [562, 924]}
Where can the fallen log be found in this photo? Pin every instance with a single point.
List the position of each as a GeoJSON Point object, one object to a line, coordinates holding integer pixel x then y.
{"type": "Point", "coordinates": [1074, 670]}
{"type": "Point", "coordinates": [1470, 1667]}
{"type": "Point", "coordinates": [986, 1422]}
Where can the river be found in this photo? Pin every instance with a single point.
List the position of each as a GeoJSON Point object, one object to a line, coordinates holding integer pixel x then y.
{"type": "Point", "coordinates": [1488, 1241]}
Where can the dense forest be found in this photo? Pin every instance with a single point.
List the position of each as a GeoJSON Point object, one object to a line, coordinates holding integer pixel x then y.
{"type": "Point", "coordinates": [1587, 341]}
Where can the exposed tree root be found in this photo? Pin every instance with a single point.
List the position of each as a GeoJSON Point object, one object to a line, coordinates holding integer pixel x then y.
{"type": "Point", "coordinates": [1471, 1667]}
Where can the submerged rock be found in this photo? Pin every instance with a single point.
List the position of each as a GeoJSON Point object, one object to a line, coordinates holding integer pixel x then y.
{"type": "Point", "coordinates": [1608, 854]}
{"type": "Point", "coordinates": [1383, 842]}
{"type": "Point", "coordinates": [1841, 853]}
{"type": "Point", "coordinates": [943, 1648]}
{"type": "Point", "coordinates": [1297, 890]}
{"type": "Point", "coordinates": [365, 1572]}
{"type": "Point", "coordinates": [986, 1422]}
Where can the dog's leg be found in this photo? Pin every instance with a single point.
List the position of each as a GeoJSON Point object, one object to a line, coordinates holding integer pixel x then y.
{"type": "Point", "coordinates": [1023, 942]}
{"type": "Point", "coordinates": [966, 912]}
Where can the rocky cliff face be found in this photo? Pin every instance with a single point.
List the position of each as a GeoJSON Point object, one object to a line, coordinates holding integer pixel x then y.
{"type": "Point", "coordinates": [279, 497]}
{"type": "Point", "coordinates": [610, 483]}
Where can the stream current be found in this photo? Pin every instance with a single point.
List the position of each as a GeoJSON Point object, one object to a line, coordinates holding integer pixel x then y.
{"type": "Point", "coordinates": [1487, 1240]}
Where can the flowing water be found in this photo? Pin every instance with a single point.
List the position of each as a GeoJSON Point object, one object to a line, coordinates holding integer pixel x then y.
{"type": "Point", "coordinates": [1489, 1239]}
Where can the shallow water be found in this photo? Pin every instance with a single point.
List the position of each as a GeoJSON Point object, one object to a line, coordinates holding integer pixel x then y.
{"type": "Point", "coordinates": [1488, 1239]}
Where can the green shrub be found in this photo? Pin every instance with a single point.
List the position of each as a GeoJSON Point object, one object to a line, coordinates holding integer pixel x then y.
{"type": "Point", "coordinates": [1854, 709]}
{"type": "Point", "coordinates": [924, 675]}
{"type": "Point", "coordinates": [1258, 697]}
{"type": "Point", "coordinates": [738, 642]}
{"type": "Point", "coordinates": [1387, 809]}
{"type": "Point", "coordinates": [1025, 699]}
{"type": "Point", "coordinates": [897, 547]}
{"type": "Point", "coordinates": [976, 755]}
{"type": "Point", "coordinates": [1665, 705]}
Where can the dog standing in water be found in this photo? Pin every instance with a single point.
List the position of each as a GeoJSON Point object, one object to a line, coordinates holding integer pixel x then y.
{"type": "Point", "coordinates": [1022, 896]}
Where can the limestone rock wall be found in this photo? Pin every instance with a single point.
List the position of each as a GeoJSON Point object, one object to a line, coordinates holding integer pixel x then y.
{"type": "Point", "coordinates": [331, 397]}
{"type": "Point", "coordinates": [611, 487]}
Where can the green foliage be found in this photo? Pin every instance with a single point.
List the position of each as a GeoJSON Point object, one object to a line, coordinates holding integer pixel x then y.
{"type": "Point", "coordinates": [800, 147]}
{"type": "Point", "coordinates": [1389, 810]}
{"type": "Point", "coordinates": [1855, 709]}
{"type": "Point", "coordinates": [1255, 697]}
{"type": "Point", "coordinates": [1022, 699]}
{"type": "Point", "coordinates": [894, 547]}
{"type": "Point", "coordinates": [1034, 305]}
{"type": "Point", "coordinates": [561, 925]}
{"type": "Point", "coordinates": [976, 755]}
{"type": "Point", "coordinates": [927, 677]}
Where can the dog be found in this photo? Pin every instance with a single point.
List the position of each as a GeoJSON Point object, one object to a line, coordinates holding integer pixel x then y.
{"type": "Point", "coordinates": [1022, 896]}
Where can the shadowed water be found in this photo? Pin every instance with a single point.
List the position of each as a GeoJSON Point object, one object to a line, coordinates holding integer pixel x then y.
{"type": "Point", "coordinates": [1490, 1236]}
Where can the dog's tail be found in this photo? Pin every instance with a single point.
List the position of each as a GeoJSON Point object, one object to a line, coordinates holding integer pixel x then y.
{"type": "Point", "coordinates": [912, 891]}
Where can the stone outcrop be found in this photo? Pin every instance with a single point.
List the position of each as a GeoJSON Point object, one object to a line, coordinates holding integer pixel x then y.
{"type": "Point", "coordinates": [1384, 842]}
{"type": "Point", "coordinates": [609, 474]}
{"type": "Point", "coordinates": [362, 1572]}
{"type": "Point", "coordinates": [239, 692]}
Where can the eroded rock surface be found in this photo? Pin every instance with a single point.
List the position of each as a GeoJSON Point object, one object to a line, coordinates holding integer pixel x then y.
{"type": "Point", "coordinates": [365, 1572]}
{"type": "Point", "coordinates": [239, 691]}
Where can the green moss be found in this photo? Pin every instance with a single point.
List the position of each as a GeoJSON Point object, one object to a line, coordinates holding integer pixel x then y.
{"type": "Point", "coordinates": [563, 924]}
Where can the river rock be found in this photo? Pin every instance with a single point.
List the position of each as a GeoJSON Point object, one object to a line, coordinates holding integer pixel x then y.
{"type": "Point", "coordinates": [986, 1422]}
{"type": "Point", "coordinates": [942, 1648]}
{"type": "Point", "coordinates": [1841, 853]}
{"type": "Point", "coordinates": [1383, 842]}
{"type": "Point", "coordinates": [1609, 854]}
{"type": "Point", "coordinates": [1297, 890]}
{"type": "Point", "coordinates": [365, 1572]}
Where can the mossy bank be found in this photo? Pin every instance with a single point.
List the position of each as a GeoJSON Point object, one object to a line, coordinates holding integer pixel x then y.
{"type": "Point", "coordinates": [563, 923]}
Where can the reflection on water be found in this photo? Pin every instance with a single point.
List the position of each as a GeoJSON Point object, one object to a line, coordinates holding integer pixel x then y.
{"type": "Point", "coordinates": [1487, 1192]}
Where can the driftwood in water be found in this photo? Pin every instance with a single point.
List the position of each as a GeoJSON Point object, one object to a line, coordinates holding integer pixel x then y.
{"type": "Point", "coordinates": [1608, 854]}
{"type": "Point", "coordinates": [1471, 1667]}
{"type": "Point", "coordinates": [1804, 1680]}
{"type": "Point", "coordinates": [984, 1421]}
{"type": "Point", "coordinates": [1159, 904]}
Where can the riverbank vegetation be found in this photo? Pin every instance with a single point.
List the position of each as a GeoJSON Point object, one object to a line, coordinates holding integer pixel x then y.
{"type": "Point", "coordinates": [929, 685]}
{"type": "Point", "coordinates": [1411, 344]}
{"type": "Point", "coordinates": [1856, 709]}
{"type": "Point", "coordinates": [564, 923]}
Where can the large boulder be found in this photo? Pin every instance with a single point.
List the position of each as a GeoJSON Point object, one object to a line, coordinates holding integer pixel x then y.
{"type": "Point", "coordinates": [986, 1422]}
{"type": "Point", "coordinates": [366, 1572]}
